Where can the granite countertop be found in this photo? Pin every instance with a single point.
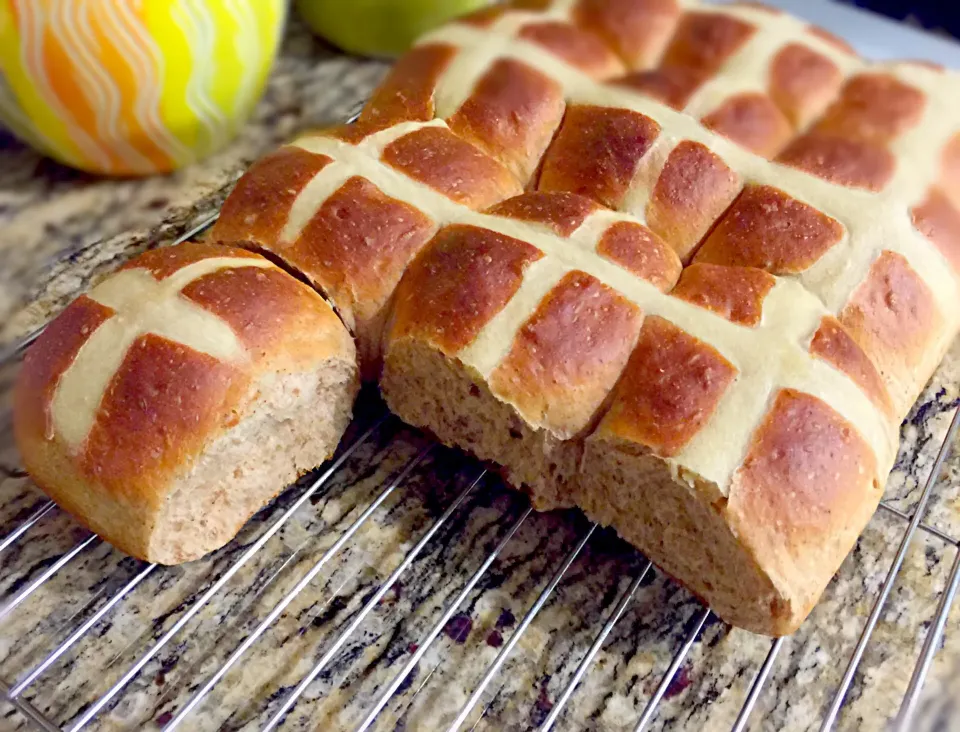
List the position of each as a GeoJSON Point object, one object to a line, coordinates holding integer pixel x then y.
{"type": "Point", "coordinates": [52, 220]}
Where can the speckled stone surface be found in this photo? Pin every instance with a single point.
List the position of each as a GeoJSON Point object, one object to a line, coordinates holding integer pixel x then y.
{"type": "Point", "coordinates": [50, 219]}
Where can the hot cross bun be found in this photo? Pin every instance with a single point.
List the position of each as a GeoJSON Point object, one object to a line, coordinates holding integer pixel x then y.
{"type": "Point", "coordinates": [171, 402]}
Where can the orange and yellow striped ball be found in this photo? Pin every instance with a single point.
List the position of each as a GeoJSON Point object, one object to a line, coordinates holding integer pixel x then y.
{"type": "Point", "coordinates": [133, 87]}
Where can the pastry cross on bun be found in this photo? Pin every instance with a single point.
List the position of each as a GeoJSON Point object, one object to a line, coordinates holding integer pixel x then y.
{"type": "Point", "coordinates": [137, 407]}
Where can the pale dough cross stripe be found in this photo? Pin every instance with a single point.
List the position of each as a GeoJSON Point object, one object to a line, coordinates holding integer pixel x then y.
{"type": "Point", "coordinates": [771, 356]}
{"type": "Point", "coordinates": [141, 305]}
{"type": "Point", "coordinates": [335, 174]}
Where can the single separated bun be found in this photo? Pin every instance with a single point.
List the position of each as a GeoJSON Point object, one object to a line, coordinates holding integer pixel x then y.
{"type": "Point", "coordinates": [170, 403]}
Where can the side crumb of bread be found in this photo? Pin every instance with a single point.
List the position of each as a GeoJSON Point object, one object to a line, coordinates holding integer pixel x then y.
{"type": "Point", "coordinates": [170, 403]}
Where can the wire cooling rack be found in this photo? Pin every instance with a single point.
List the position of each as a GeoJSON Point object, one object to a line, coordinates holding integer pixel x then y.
{"type": "Point", "coordinates": [85, 626]}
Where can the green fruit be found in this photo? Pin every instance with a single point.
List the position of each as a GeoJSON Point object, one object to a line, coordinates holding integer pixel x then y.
{"type": "Point", "coordinates": [380, 27]}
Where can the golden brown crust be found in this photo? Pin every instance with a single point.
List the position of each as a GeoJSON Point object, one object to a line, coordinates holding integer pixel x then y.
{"type": "Point", "coordinates": [440, 159]}
{"type": "Point", "coordinates": [485, 17]}
{"type": "Point", "coordinates": [576, 46]}
{"type": "Point", "coordinates": [596, 152]}
{"type": "Point", "coordinates": [806, 487]}
{"type": "Point", "coordinates": [139, 442]}
{"type": "Point", "coordinates": [277, 301]}
{"type": "Point", "coordinates": [511, 115]}
{"type": "Point", "coordinates": [705, 40]}
{"type": "Point", "coordinates": [638, 250]}
{"type": "Point", "coordinates": [461, 280]}
{"type": "Point", "coordinates": [561, 212]}
{"type": "Point", "coordinates": [568, 355]}
{"type": "Point", "coordinates": [356, 246]}
{"type": "Point", "coordinates": [693, 189]}
{"type": "Point", "coordinates": [873, 108]}
{"type": "Point", "coordinates": [669, 389]}
{"type": "Point", "coordinates": [802, 82]}
{"type": "Point", "coordinates": [834, 345]}
{"type": "Point", "coordinates": [768, 229]}
{"type": "Point", "coordinates": [893, 317]}
{"type": "Point", "coordinates": [407, 92]}
{"type": "Point", "coordinates": [637, 30]}
{"type": "Point", "coordinates": [840, 160]}
{"type": "Point", "coordinates": [352, 134]}
{"type": "Point", "coordinates": [938, 220]}
{"type": "Point", "coordinates": [753, 121]}
{"type": "Point", "coordinates": [257, 208]}
{"type": "Point", "coordinates": [673, 85]}
{"type": "Point", "coordinates": [736, 293]}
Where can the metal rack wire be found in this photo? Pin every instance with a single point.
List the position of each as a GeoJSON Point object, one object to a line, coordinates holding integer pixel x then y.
{"type": "Point", "coordinates": [13, 692]}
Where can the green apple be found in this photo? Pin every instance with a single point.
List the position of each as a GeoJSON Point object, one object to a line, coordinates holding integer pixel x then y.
{"type": "Point", "coordinates": [379, 27]}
